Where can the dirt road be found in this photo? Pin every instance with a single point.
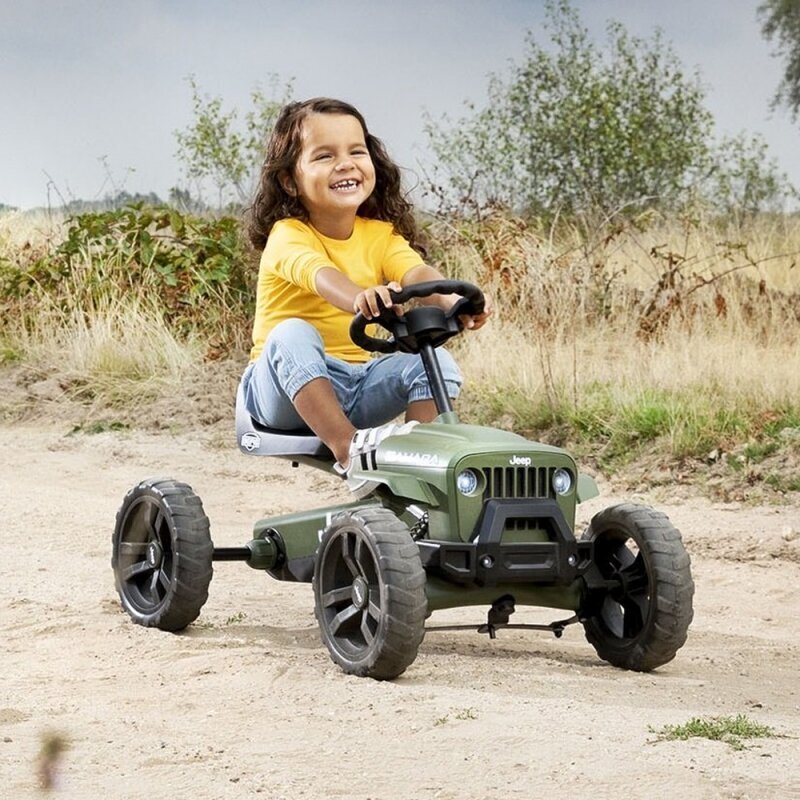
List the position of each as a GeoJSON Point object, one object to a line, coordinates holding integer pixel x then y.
{"type": "Point", "coordinates": [247, 702]}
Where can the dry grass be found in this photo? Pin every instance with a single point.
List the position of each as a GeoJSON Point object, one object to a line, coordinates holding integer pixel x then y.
{"type": "Point", "coordinates": [679, 335]}
{"type": "Point", "coordinates": [683, 360]}
{"type": "Point", "coordinates": [625, 341]}
{"type": "Point", "coordinates": [653, 278]}
{"type": "Point", "coordinates": [763, 249]}
{"type": "Point", "coordinates": [22, 231]}
{"type": "Point", "coordinates": [119, 355]}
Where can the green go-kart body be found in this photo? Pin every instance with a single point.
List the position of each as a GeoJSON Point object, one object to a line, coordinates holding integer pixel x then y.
{"type": "Point", "coordinates": [510, 533]}
{"type": "Point", "coordinates": [458, 515]}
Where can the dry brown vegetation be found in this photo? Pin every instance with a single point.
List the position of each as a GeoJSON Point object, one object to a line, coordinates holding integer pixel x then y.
{"type": "Point", "coordinates": [671, 340]}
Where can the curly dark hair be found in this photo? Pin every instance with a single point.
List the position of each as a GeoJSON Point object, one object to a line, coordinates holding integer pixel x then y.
{"type": "Point", "coordinates": [272, 202]}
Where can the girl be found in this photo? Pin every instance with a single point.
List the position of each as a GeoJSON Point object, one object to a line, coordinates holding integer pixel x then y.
{"type": "Point", "coordinates": [336, 235]}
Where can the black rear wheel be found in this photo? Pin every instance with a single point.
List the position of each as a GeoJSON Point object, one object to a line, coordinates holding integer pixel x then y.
{"type": "Point", "coordinates": [369, 593]}
{"type": "Point", "coordinates": [641, 621]}
{"type": "Point", "coordinates": [162, 554]}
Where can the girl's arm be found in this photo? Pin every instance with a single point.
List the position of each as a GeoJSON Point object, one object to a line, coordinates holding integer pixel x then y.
{"type": "Point", "coordinates": [341, 292]}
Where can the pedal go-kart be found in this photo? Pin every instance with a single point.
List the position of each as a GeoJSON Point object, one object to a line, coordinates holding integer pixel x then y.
{"type": "Point", "coordinates": [461, 516]}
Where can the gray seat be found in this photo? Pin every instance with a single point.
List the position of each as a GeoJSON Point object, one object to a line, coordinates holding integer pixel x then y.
{"type": "Point", "coordinates": [255, 439]}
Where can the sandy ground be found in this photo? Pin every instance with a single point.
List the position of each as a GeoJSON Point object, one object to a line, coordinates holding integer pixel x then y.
{"type": "Point", "coordinates": [247, 702]}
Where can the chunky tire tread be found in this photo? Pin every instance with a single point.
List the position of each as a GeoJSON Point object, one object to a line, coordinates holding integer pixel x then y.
{"type": "Point", "coordinates": [668, 568]}
{"type": "Point", "coordinates": [191, 549]}
{"type": "Point", "coordinates": [404, 604]}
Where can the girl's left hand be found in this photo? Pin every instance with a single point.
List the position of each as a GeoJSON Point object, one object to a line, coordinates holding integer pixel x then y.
{"type": "Point", "coordinates": [473, 322]}
{"type": "Point", "coordinates": [372, 300]}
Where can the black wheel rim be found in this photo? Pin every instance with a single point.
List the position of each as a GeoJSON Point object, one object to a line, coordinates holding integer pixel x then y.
{"type": "Point", "coordinates": [626, 607]}
{"type": "Point", "coordinates": [350, 593]}
{"type": "Point", "coordinates": [145, 555]}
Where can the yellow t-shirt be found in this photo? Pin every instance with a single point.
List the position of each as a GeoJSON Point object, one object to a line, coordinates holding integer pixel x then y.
{"type": "Point", "coordinates": [296, 252]}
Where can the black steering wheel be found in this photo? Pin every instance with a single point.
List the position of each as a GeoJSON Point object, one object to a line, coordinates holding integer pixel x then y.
{"type": "Point", "coordinates": [423, 325]}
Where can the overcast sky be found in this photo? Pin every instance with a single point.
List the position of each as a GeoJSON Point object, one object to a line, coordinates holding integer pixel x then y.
{"type": "Point", "coordinates": [85, 80]}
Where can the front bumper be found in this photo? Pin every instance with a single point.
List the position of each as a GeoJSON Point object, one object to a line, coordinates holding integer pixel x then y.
{"type": "Point", "coordinates": [487, 561]}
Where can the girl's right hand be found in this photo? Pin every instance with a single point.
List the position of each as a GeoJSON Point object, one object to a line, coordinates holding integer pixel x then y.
{"type": "Point", "coordinates": [371, 301]}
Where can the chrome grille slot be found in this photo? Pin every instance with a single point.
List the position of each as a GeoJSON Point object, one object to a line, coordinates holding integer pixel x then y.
{"type": "Point", "coordinates": [516, 482]}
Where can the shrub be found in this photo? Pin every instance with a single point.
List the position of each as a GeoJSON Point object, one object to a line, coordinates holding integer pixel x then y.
{"type": "Point", "coordinates": [574, 128]}
{"type": "Point", "coordinates": [198, 267]}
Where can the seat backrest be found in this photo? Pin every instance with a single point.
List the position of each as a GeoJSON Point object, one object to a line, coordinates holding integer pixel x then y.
{"type": "Point", "coordinates": [256, 440]}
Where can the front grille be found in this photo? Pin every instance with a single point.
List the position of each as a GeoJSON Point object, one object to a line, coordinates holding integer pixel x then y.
{"type": "Point", "coordinates": [517, 482]}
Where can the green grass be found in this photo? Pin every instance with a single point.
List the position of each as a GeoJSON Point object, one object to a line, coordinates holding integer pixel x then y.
{"type": "Point", "coordinates": [99, 426]}
{"type": "Point", "coordinates": [760, 450]}
{"type": "Point", "coordinates": [462, 715]}
{"type": "Point", "coordinates": [619, 424]}
{"type": "Point", "coordinates": [734, 731]}
{"type": "Point", "coordinates": [783, 483]}
{"type": "Point", "coordinates": [9, 353]}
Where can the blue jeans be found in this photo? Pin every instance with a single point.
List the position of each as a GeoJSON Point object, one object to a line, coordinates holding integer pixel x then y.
{"type": "Point", "coordinates": [370, 393]}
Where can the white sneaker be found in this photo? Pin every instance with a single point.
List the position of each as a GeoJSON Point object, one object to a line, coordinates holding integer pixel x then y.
{"type": "Point", "coordinates": [362, 455]}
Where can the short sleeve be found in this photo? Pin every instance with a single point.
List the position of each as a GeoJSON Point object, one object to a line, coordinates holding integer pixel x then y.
{"type": "Point", "coordinates": [294, 254]}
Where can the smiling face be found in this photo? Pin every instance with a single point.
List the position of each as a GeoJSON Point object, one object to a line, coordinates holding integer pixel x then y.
{"type": "Point", "coordinates": [334, 173]}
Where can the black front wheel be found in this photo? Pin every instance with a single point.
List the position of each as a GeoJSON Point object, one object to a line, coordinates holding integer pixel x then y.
{"type": "Point", "coordinates": [369, 593]}
{"type": "Point", "coordinates": [162, 554]}
{"type": "Point", "coordinates": [640, 621]}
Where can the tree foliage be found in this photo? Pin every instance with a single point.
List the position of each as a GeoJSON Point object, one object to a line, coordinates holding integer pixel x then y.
{"type": "Point", "coordinates": [218, 147]}
{"type": "Point", "coordinates": [744, 180]}
{"type": "Point", "coordinates": [781, 24]}
{"type": "Point", "coordinates": [574, 127]}
{"type": "Point", "coordinates": [579, 130]}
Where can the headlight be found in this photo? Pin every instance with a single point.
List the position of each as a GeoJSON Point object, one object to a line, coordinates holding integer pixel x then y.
{"type": "Point", "coordinates": [467, 482]}
{"type": "Point", "coordinates": [562, 481]}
